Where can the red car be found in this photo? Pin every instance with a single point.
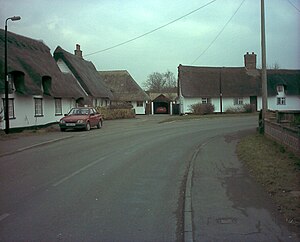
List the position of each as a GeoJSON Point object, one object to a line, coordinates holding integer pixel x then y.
{"type": "Point", "coordinates": [161, 110]}
{"type": "Point", "coordinates": [81, 118]}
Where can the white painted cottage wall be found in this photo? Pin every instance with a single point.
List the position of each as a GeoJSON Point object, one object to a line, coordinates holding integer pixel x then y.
{"type": "Point", "coordinates": [292, 103]}
{"type": "Point", "coordinates": [186, 103]}
{"type": "Point", "coordinates": [24, 111]}
{"type": "Point", "coordinates": [139, 110]}
{"type": "Point", "coordinates": [229, 103]}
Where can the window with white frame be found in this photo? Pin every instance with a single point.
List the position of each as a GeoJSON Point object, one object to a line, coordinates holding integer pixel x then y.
{"type": "Point", "coordinates": [38, 107]}
{"type": "Point", "coordinates": [205, 100]}
{"type": "Point", "coordinates": [280, 88]}
{"type": "Point", "coordinates": [11, 108]}
{"type": "Point", "coordinates": [281, 101]}
{"type": "Point", "coordinates": [238, 101]}
{"type": "Point", "coordinates": [140, 104]}
{"type": "Point", "coordinates": [58, 106]}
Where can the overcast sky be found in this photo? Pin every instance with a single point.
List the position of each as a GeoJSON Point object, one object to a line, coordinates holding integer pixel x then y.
{"type": "Point", "coordinates": [101, 24]}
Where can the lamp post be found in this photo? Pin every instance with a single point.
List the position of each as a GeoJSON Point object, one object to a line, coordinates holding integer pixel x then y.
{"type": "Point", "coordinates": [6, 113]}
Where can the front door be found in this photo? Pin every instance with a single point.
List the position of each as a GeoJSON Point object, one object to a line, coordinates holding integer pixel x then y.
{"type": "Point", "coordinates": [253, 102]}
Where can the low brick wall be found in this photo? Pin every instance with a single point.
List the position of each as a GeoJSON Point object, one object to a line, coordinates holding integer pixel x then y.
{"type": "Point", "coordinates": [283, 135]}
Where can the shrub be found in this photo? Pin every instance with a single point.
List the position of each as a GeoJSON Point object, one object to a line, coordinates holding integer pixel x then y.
{"type": "Point", "coordinates": [238, 109]}
{"type": "Point", "coordinates": [110, 113]}
{"type": "Point", "coordinates": [200, 108]}
{"type": "Point", "coordinates": [246, 108]}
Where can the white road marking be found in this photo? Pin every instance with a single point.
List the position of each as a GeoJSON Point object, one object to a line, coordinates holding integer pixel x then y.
{"type": "Point", "coordinates": [78, 171]}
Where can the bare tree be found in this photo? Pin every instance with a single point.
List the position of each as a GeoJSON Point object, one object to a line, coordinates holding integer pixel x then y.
{"type": "Point", "coordinates": [274, 66]}
{"type": "Point", "coordinates": [170, 81]}
{"type": "Point", "coordinates": [160, 82]}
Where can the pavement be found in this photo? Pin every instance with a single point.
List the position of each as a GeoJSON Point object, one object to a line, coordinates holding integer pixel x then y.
{"type": "Point", "coordinates": [17, 142]}
{"type": "Point", "coordinates": [235, 207]}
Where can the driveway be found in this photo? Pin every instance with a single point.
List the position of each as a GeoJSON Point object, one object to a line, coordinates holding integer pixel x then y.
{"type": "Point", "coordinates": [135, 180]}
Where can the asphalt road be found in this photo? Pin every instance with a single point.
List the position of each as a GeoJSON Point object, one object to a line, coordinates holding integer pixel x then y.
{"type": "Point", "coordinates": [128, 182]}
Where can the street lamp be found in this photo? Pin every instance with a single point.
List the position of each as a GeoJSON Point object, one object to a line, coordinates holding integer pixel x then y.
{"type": "Point", "coordinates": [6, 113]}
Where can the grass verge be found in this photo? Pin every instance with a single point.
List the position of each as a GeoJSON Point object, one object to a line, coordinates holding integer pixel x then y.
{"type": "Point", "coordinates": [277, 170]}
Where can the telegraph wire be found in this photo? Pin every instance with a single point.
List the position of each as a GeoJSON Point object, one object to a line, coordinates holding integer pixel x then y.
{"type": "Point", "coordinates": [294, 5]}
{"type": "Point", "coordinates": [217, 36]}
{"type": "Point", "coordinates": [151, 31]}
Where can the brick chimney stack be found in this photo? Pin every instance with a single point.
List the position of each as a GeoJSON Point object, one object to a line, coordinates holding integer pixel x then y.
{"type": "Point", "coordinates": [250, 61]}
{"type": "Point", "coordinates": [78, 52]}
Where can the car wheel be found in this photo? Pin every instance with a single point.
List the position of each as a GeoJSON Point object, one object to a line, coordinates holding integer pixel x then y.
{"type": "Point", "coordinates": [99, 125]}
{"type": "Point", "coordinates": [62, 129]}
{"type": "Point", "coordinates": [87, 126]}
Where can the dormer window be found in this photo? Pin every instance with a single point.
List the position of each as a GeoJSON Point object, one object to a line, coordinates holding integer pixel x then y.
{"type": "Point", "coordinates": [280, 88]}
{"type": "Point", "coordinates": [46, 85]}
{"type": "Point", "coordinates": [17, 82]}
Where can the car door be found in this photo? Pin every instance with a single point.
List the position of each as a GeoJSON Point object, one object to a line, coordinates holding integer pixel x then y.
{"type": "Point", "coordinates": [93, 117]}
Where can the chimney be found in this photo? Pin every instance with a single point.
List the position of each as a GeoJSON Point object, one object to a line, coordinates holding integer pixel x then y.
{"type": "Point", "coordinates": [250, 61]}
{"type": "Point", "coordinates": [78, 52]}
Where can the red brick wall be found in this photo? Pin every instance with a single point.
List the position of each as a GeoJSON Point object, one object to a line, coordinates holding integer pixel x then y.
{"type": "Point", "coordinates": [284, 136]}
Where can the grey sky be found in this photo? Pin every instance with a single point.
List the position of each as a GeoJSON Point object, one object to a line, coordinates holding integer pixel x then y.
{"type": "Point", "coordinates": [100, 24]}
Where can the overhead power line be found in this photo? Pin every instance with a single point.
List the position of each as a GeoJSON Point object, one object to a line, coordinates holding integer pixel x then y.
{"type": "Point", "coordinates": [152, 31]}
{"type": "Point", "coordinates": [294, 5]}
{"type": "Point", "coordinates": [221, 31]}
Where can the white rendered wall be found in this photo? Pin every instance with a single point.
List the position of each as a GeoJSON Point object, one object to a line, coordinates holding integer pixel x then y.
{"type": "Point", "coordinates": [25, 111]}
{"type": "Point", "coordinates": [226, 103]}
{"type": "Point", "coordinates": [139, 110]}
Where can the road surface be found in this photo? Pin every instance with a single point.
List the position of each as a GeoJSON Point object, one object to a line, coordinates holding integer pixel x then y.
{"type": "Point", "coordinates": [136, 180]}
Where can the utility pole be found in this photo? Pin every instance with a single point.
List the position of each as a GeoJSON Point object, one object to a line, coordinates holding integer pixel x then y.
{"type": "Point", "coordinates": [221, 94]}
{"type": "Point", "coordinates": [264, 66]}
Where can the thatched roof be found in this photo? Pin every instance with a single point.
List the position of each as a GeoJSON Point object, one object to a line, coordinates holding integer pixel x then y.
{"type": "Point", "coordinates": [208, 82]}
{"type": "Point", "coordinates": [290, 79]}
{"type": "Point", "coordinates": [85, 72]}
{"type": "Point", "coordinates": [123, 86]}
{"type": "Point", "coordinates": [33, 62]}
{"type": "Point", "coordinates": [234, 81]}
{"type": "Point", "coordinates": [172, 96]}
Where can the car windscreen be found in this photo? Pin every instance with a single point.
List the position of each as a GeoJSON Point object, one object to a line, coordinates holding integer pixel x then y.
{"type": "Point", "coordinates": [79, 111]}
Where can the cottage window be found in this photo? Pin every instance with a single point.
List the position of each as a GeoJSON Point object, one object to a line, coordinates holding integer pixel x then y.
{"type": "Point", "coordinates": [58, 106]}
{"type": "Point", "coordinates": [140, 104]}
{"type": "Point", "coordinates": [38, 107]}
{"type": "Point", "coordinates": [281, 101]}
{"type": "Point", "coordinates": [205, 100]}
{"type": "Point", "coordinates": [238, 101]}
{"type": "Point", "coordinates": [11, 108]}
{"type": "Point", "coordinates": [280, 88]}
